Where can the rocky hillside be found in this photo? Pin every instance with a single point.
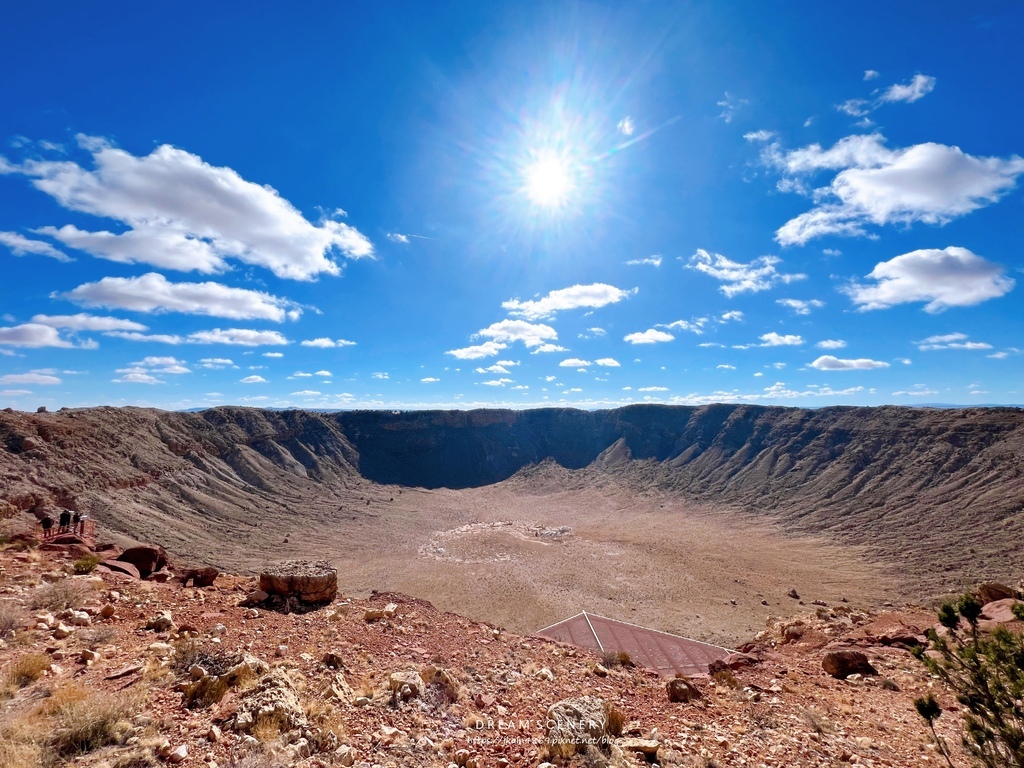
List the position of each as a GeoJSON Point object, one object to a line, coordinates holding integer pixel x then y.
{"type": "Point", "coordinates": [102, 669]}
{"type": "Point", "coordinates": [921, 485]}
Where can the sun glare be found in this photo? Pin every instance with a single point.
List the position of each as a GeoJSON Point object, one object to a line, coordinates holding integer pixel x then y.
{"type": "Point", "coordinates": [548, 180]}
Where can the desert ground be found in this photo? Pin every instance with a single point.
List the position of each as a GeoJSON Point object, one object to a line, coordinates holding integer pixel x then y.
{"type": "Point", "coordinates": [523, 555]}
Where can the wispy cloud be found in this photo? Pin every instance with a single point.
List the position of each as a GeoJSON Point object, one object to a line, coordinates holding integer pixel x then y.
{"type": "Point", "coordinates": [737, 277]}
{"type": "Point", "coordinates": [591, 296]}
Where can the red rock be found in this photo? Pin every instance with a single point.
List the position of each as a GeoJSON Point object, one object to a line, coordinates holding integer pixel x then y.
{"type": "Point", "coordinates": [146, 558]}
{"type": "Point", "coordinates": [999, 611]}
{"type": "Point", "coordinates": [842, 664]}
{"type": "Point", "coordinates": [992, 591]}
{"type": "Point", "coordinates": [200, 577]}
{"type": "Point", "coordinates": [120, 567]}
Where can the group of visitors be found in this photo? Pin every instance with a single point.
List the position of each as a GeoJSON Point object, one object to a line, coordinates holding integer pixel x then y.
{"type": "Point", "coordinates": [67, 522]}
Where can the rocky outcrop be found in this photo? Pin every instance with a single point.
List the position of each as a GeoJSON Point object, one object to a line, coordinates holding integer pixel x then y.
{"type": "Point", "coordinates": [301, 580]}
{"type": "Point", "coordinates": [842, 664]}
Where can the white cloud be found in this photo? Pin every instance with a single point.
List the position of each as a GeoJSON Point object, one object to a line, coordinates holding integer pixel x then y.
{"type": "Point", "coordinates": [831, 344]}
{"type": "Point", "coordinates": [306, 393]}
{"type": "Point", "coordinates": [870, 74]}
{"type": "Point", "coordinates": [496, 368]}
{"type": "Point", "coordinates": [86, 322]}
{"type": "Point", "coordinates": [36, 335]}
{"type": "Point", "coordinates": [730, 316]}
{"type": "Point", "coordinates": [429, 380]}
{"type": "Point", "coordinates": [158, 338]}
{"type": "Point", "coordinates": [774, 339]}
{"type": "Point", "coordinates": [626, 126]}
{"type": "Point", "coordinates": [238, 336]}
{"type": "Point", "coordinates": [726, 367]}
{"type": "Point", "coordinates": [919, 390]}
{"type": "Point", "coordinates": [597, 331]}
{"type": "Point", "coordinates": [832, 363]}
{"type": "Point", "coordinates": [216, 363]}
{"type": "Point", "coordinates": [328, 374]}
{"type": "Point", "coordinates": [650, 336]}
{"type": "Point", "coordinates": [20, 245]}
{"type": "Point", "coordinates": [253, 380]}
{"type": "Point", "coordinates": [183, 213]}
{"type": "Point", "coordinates": [381, 375]}
{"type": "Point", "coordinates": [396, 237]}
{"type": "Point", "coordinates": [549, 348]}
{"type": "Point", "coordinates": [592, 296]}
{"type": "Point", "coordinates": [14, 392]}
{"type": "Point", "coordinates": [507, 331]}
{"type": "Point", "coordinates": [273, 354]}
{"type": "Point", "coordinates": [930, 183]}
{"type": "Point", "coordinates": [730, 105]}
{"type": "Point", "coordinates": [761, 135]}
{"type": "Point", "coordinates": [29, 378]}
{"type": "Point", "coordinates": [152, 292]}
{"type": "Point", "coordinates": [950, 277]}
{"type": "Point", "coordinates": [487, 349]}
{"type": "Point", "coordinates": [693, 326]}
{"type": "Point", "coordinates": [799, 306]}
{"type": "Point", "coordinates": [497, 382]}
{"type": "Point", "coordinates": [832, 252]}
{"type": "Point", "coordinates": [951, 341]}
{"type": "Point", "coordinates": [301, 375]}
{"type": "Point", "coordinates": [608, 362]}
{"type": "Point", "coordinates": [1005, 353]}
{"type": "Point", "coordinates": [574, 362]}
{"type": "Point", "coordinates": [918, 87]}
{"type": "Point", "coordinates": [652, 389]}
{"type": "Point", "coordinates": [758, 275]}
{"type": "Point", "coordinates": [325, 343]}
{"type": "Point", "coordinates": [137, 377]}
{"type": "Point", "coordinates": [652, 261]}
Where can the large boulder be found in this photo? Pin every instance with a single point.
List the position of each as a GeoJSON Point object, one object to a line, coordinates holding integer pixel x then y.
{"type": "Point", "coordinates": [991, 591]}
{"type": "Point", "coordinates": [200, 577]}
{"type": "Point", "coordinates": [273, 701]}
{"type": "Point", "coordinates": [304, 580]}
{"type": "Point", "coordinates": [842, 664]}
{"type": "Point", "coordinates": [682, 691]}
{"type": "Point", "coordinates": [573, 724]}
{"type": "Point", "coordinates": [146, 558]}
{"type": "Point", "coordinates": [116, 566]}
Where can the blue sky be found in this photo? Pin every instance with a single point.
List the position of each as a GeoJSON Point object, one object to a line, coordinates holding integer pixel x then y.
{"type": "Point", "coordinates": [411, 205]}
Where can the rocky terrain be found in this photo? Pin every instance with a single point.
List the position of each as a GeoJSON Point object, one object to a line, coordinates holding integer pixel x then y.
{"type": "Point", "coordinates": [105, 670]}
{"type": "Point", "coordinates": [931, 496]}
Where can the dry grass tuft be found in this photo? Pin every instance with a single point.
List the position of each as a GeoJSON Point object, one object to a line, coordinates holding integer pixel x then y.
{"type": "Point", "coordinates": [60, 595]}
{"type": "Point", "coordinates": [84, 565]}
{"type": "Point", "coordinates": [12, 618]}
{"type": "Point", "coordinates": [84, 721]}
{"type": "Point", "coordinates": [23, 671]}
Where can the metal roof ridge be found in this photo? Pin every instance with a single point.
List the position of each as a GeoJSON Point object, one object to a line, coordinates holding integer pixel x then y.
{"type": "Point", "coordinates": [600, 645]}
{"type": "Point", "coordinates": [562, 621]}
{"type": "Point", "coordinates": [650, 629]}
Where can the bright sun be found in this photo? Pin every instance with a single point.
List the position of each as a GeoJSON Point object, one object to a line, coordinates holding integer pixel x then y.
{"type": "Point", "coordinates": [548, 180]}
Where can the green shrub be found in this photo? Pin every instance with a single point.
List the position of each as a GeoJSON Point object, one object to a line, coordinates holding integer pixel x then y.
{"type": "Point", "coordinates": [84, 565]}
{"type": "Point", "coordinates": [985, 671]}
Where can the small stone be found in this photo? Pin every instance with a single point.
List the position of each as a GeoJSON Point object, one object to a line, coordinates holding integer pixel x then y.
{"type": "Point", "coordinates": [62, 631]}
{"type": "Point", "coordinates": [197, 672]}
{"type": "Point", "coordinates": [682, 691]}
{"type": "Point", "coordinates": [600, 670]}
{"type": "Point", "coordinates": [178, 754]}
{"type": "Point", "coordinates": [161, 649]}
{"type": "Point", "coordinates": [545, 674]}
{"type": "Point", "coordinates": [333, 660]}
{"type": "Point", "coordinates": [214, 734]}
{"type": "Point", "coordinates": [90, 656]}
{"type": "Point", "coordinates": [281, 650]}
{"type": "Point", "coordinates": [162, 622]}
{"type": "Point", "coordinates": [107, 611]}
{"type": "Point", "coordinates": [346, 755]}
{"type": "Point", "coordinates": [793, 594]}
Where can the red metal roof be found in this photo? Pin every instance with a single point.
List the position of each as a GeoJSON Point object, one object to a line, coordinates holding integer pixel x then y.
{"type": "Point", "coordinates": [668, 655]}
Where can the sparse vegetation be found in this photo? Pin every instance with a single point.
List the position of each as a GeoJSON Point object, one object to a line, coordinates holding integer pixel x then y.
{"type": "Point", "coordinates": [60, 595]}
{"type": "Point", "coordinates": [85, 720]}
{"type": "Point", "coordinates": [612, 659]}
{"type": "Point", "coordinates": [985, 671]}
{"type": "Point", "coordinates": [12, 618]}
{"type": "Point", "coordinates": [725, 677]}
{"type": "Point", "coordinates": [84, 565]}
{"type": "Point", "coordinates": [23, 671]}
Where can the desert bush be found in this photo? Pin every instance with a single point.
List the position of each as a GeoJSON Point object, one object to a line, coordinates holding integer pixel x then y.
{"type": "Point", "coordinates": [725, 677]}
{"type": "Point", "coordinates": [189, 652]}
{"type": "Point", "coordinates": [84, 721]}
{"type": "Point", "coordinates": [985, 671]}
{"type": "Point", "coordinates": [23, 671]}
{"type": "Point", "coordinates": [60, 595]}
{"type": "Point", "coordinates": [86, 564]}
{"type": "Point", "coordinates": [97, 637]}
{"type": "Point", "coordinates": [12, 618]}
{"type": "Point", "coordinates": [612, 659]}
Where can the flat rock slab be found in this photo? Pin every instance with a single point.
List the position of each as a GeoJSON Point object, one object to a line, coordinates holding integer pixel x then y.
{"type": "Point", "coordinates": [305, 580]}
